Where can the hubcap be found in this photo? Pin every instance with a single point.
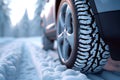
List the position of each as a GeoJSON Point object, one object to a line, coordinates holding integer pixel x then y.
{"type": "Point", "coordinates": [65, 32]}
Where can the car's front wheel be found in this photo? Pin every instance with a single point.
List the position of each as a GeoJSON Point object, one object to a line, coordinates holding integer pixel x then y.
{"type": "Point", "coordinates": [79, 43]}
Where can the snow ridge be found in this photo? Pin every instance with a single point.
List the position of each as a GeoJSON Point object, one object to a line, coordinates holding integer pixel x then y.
{"type": "Point", "coordinates": [50, 68]}
{"type": "Point", "coordinates": [9, 61]}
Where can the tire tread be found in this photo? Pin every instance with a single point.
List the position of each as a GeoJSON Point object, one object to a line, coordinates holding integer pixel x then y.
{"type": "Point", "coordinates": [92, 52]}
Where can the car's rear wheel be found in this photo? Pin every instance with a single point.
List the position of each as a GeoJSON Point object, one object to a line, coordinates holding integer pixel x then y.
{"type": "Point", "coordinates": [79, 43]}
{"type": "Point", "coordinates": [47, 43]}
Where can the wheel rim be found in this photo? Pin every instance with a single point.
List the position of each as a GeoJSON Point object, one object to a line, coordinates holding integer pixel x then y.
{"type": "Point", "coordinates": [65, 33]}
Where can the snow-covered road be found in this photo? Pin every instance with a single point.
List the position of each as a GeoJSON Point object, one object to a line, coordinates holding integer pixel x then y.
{"type": "Point", "coordinates": [24, 59]}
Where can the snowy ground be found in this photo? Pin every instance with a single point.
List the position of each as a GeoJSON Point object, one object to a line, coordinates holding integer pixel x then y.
{"type": "Point", "coordinates": [4, 41]}
{"type": "Point", "coordinates": [24, 59]}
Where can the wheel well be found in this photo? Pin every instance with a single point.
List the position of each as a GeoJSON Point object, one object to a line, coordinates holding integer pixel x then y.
{"type": "Point", "coordinates": [57, 3]}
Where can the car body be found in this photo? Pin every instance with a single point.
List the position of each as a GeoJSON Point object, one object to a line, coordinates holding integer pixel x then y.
{"type": "Point", "coordinates": [48, 18]}
{"type": "Point", "coordinates": [82, 29]}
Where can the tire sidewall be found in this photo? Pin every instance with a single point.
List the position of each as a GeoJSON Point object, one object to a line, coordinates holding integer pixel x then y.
{"type": "Point", "coordinates": [70, 62]}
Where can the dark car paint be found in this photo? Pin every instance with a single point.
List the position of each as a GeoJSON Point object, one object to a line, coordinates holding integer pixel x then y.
{"type": "Point", "coordinates": [107, 5]}
{"type": "Point", "coordinates": [107, 15]}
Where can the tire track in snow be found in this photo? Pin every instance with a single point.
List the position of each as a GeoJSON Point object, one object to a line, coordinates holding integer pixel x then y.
{"type": "Point", "coordinates": [27, 69]}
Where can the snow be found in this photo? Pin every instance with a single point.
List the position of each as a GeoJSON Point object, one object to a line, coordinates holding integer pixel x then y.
{"type": "Point", "coordinates": [9, 61]}
{"type": "Point", "coordinates": [51, 69]}
{"type": "Point", "coordinates": [24, 59]}
{"type": "Point", "coordinates": [4, 41]}
{"type": "Point", "coordinates": [27, 70]}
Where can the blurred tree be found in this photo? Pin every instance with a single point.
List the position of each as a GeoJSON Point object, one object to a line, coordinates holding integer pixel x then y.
{"type": "Point", "coordinates": [36, 29]}
{"type": "Point", "coordinates": [22, 29]}
{"type": "Point", "coordinates": [4, 18]}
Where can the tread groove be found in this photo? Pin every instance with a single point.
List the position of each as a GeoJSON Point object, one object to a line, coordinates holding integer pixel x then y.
{"type": "Point", "coordinates": [89, 40]}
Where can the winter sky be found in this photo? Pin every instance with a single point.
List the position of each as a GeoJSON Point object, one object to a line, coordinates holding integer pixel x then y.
{"type": "Point", "coordinates": [18, 8]}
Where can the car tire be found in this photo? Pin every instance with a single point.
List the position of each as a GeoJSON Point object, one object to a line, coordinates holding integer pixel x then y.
{"type": "Point", "coordinates": [79, 43]}
{"type": "Point", "coordinates": [47, 43]}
